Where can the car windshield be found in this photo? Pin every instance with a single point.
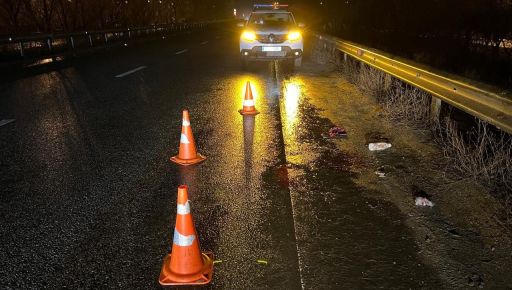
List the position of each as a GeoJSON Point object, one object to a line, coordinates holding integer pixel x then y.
{"type": "Point", "coordinates": [270, 19]}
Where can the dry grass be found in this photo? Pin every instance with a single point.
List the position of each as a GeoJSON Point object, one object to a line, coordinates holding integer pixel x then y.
{"type": "Point", "coordinates": [406, 103]}
{"type": "Point", "coordinates": [401, 102]}
{"type": "Point", "coordinates": [371, 81]}
{"type": "Point", "coordinates": [483, 154]}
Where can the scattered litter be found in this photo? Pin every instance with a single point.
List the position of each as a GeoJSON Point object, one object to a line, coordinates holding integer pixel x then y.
{"type": "Point", "coordinates": [217, 262]}
{"type": "Point", "coordinates": [454, 232]}
{"type": "Point", "coordinates": [379, 146]}
{"type": "Point", "coordinates": [336, 133]}
{"type": "Point", "coordinates": [422, 201]}
{"type": "Point", "coordinates": [262, 262]}
{"type": "Point", "coordinates": [381, 171]}
{"type": "Point", "coordinates": [380, 174]}
{"type": "Point", "coordinates": [421, 198]}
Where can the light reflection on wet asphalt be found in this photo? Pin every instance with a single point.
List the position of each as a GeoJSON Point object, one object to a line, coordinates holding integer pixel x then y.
{"type": "Point", "coordinates": [88, 196]}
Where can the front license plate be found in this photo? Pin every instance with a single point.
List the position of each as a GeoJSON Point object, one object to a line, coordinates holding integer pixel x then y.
{"type": "Point", "coordinates": [276, 53]}
{"type": "Point", "coordinates": [271, 48]}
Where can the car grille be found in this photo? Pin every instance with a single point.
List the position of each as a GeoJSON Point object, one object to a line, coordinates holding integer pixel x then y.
{"type": "Point", "coordinates": [271, 38]}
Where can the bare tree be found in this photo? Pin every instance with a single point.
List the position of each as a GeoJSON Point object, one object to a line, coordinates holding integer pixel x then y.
{"type": "Point", "coordinates": [10, 10]}
{"type": "Point", "coordinates": [41, 12]}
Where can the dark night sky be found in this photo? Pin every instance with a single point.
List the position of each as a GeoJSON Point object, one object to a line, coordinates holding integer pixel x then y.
{"type": "Point", "coordinates": [245, 6]}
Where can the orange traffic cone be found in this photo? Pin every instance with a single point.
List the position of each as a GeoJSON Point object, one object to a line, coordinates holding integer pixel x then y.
{"type": "Point", "coordinates": [248, 108]}
{"type": "Point", "coordinates": [186, 265]}
{"type": "Point", "coordinates": [187, 154]}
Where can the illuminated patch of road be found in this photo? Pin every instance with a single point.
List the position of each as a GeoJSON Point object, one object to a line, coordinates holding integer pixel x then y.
{"type": "Point", "coordinates": [130, 71]}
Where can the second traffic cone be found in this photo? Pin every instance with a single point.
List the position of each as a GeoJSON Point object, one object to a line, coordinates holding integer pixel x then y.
{"type": "Point", "coordinates": [248, 107]}
{"type": "Point", "coordinates": [186, 265]}
{"type": "Point", "coordinates": [187, 154]}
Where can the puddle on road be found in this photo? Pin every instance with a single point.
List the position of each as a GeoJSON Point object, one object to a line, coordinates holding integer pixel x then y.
{"type": "Point", "coordinates": [345, 239]}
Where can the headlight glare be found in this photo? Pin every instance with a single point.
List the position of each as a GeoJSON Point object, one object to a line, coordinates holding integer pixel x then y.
{"type": "Point", "coordinates": [294, 35]}
{"type": "Point", "coordinates": [249, 35]}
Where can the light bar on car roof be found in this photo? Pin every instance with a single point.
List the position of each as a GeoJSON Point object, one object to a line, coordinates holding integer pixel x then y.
{"type": "Point", "coordinates": [272, 6]}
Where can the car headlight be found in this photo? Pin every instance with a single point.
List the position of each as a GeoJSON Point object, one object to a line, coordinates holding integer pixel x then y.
{"type": "Point", "coordinates": [294, 35]}
{"type": "Point", "coordinates": [249, 35]}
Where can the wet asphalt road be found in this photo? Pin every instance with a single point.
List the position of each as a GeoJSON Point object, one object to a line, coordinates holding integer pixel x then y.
{"type": "Point", "coordinates": [88, 195]}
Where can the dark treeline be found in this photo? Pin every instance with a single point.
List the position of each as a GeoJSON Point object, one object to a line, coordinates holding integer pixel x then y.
{"type": "Point", "coordinates": [46, 16]}
{"type": "Point", "coordinates": [468, 37]}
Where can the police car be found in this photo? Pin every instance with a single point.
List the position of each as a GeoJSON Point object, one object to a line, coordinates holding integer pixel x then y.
{"type": "Point", "coordinates": [271, 33]}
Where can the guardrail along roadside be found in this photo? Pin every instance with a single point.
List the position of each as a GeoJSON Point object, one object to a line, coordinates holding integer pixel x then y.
{"type": "Point", "coordinates": [41, 45]}
{"type": "Point", "coordinates": [486, 104]}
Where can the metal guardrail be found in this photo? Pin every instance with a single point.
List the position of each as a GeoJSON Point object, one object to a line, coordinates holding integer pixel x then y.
{"type": "Point", "coordinates": [486, 105]}
{"type": "Point", "coordinates": [48, 42]}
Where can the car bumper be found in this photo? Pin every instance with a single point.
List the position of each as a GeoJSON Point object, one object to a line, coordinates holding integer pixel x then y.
{"type": "Point", "coordinates": [257, 53]}
{"type": "Point", "coordinates": [254, 50]}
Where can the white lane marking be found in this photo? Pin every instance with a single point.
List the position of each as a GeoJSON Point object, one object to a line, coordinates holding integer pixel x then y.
{"type": "Point", "coordinates": [204, 42]}
{"type": "Point", "coordinates": [182, 51]}
{"type": "Point", "coordinates": [130, 72]}
{"type": "Point", "coordinates": [5, 122]}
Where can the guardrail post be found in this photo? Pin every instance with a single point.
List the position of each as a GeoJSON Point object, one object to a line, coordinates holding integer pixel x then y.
{"type": "Point", "coordinates": [129, 33]}
{"type": "Point", "coordinates": [90, 39]}
{"type": "Point", "coordinates": [49, 43]}
{"type": "Point", "coordinates": [72, 42]}
{"type": "Point", "coordinates": [106, 37]}
{"type": "Point", "coordinates": [435, 109]}
{"type": "Point", "coordinates": [21, 49]}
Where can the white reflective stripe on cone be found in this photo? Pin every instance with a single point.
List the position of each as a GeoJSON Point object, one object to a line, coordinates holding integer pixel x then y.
{"type": "Point", "coordinates": [181, 240]}
{"type": "Point", "coordinates": [185, 123]}
{"type": "Point", "coordinates": [248, 103]}
{"type": "Point", "coordinates": [184, 139]}
{"type": "Point", "coordinates": [184, 208]}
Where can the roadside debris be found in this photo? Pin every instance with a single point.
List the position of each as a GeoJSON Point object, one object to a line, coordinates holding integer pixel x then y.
{"type": "Point", "coordinates": [421, 198]}
{"type": "Point", "coordinates": [380, 174]}
{"type": "Point", "coordinates": [262, 262]}
{"type": "Point", "coordinates": [217, 262]}
{"type": "Point", "coordinates": [335, 132]}
{"type": "Point", "coordinates": [421, 201]}
{"type": "Point", "coordinates": [454, 232]}
{"type": "Point", "coordinates": [379, 146]}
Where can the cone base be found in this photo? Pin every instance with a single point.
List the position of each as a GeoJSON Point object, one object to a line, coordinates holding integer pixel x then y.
{"type": "Point", "coordinates": [176, 159]}
{"type": "Point", "coordinates": [254, 112]}
{"type": "Point", "coordinates": [169, 278]}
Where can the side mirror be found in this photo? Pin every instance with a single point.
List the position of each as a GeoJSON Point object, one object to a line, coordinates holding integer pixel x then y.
{"type": "Point", "coordinates": [301, 25]}
{"type": "Point", "coordinates": [240, 24]}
